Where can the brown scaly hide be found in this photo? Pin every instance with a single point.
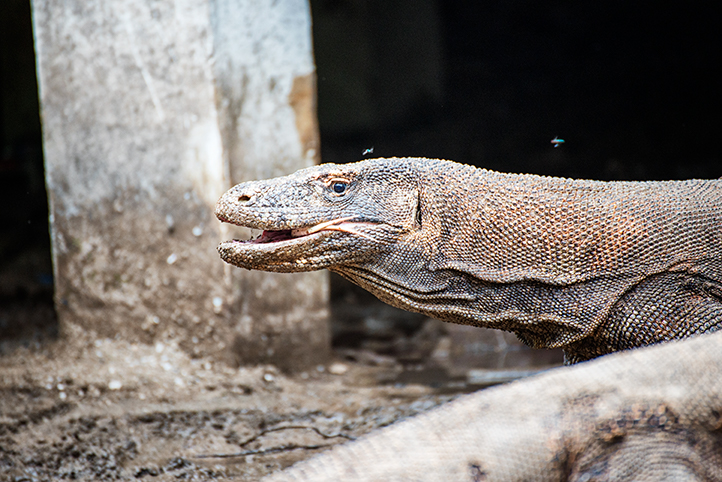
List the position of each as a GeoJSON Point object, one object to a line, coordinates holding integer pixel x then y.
{"type": "Point", "coordinates": [592, 267]}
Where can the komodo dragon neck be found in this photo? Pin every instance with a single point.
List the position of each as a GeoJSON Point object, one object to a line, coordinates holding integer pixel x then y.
{"type": "Point", "coordinates": [560, 262]}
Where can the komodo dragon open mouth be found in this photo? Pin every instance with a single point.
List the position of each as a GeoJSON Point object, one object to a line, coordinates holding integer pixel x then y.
{"type": "Point", "coordinates": [277, 236]}
{"type": "Point", "coordinates": [292, 250]}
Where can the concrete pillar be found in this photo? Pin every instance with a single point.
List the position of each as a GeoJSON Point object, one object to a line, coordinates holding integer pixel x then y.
{"type": "Point", "coordinates": [151, 110]}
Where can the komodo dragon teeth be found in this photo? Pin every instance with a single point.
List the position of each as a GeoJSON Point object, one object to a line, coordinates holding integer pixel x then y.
{"type": "Point", "coordinates": [271, 236]}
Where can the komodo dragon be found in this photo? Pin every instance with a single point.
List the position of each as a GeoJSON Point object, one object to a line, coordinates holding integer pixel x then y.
{"type": "Point", "coordinates": [592, 267]}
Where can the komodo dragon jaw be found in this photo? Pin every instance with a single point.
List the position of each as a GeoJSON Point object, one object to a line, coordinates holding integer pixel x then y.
{"type": "Point", "coordinates": [317, 218]}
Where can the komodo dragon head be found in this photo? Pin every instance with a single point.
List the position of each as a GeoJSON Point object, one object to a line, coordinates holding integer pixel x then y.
{"type": "Point", "coordinates": [324, 216]}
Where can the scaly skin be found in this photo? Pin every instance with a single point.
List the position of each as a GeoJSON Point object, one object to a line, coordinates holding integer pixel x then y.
{"type": "Point", "coordinates": [592, 267]}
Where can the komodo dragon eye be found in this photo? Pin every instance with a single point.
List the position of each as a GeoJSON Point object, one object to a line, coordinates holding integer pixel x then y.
{"type": "Point", "coordinates": [339, 187]}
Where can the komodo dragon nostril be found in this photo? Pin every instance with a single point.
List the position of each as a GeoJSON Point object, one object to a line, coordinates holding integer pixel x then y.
{"type": "Point", "coordinates": [243, 199]}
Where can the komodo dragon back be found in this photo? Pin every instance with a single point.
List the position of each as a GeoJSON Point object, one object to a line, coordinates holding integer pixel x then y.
{"type": "Point", "coordinates": [592, 267]}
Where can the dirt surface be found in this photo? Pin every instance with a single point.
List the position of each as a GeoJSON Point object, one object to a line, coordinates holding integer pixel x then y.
{"type": "Point", "coordinates": [83, 409]}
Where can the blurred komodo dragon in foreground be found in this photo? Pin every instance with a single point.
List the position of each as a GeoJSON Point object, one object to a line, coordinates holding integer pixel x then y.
{"type": "Point", "coordinates": [646, 415]}
{"type": "Point", "coordinates": [591, 267]}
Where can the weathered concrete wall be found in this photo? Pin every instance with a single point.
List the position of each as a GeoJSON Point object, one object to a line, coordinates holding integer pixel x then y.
{"type": "Point", "coordinates": [151, 110]}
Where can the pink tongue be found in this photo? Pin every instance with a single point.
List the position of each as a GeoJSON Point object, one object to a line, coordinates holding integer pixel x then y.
{"type": "Point", "coordinates": [274, 236]}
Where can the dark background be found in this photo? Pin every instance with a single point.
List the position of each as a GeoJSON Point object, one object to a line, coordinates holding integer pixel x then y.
{"type": "Point", "coordinates": [630, 86]}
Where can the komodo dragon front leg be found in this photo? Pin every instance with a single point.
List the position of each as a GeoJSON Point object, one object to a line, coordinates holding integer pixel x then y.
{"type": "Point", "coordinates": [591, 267]}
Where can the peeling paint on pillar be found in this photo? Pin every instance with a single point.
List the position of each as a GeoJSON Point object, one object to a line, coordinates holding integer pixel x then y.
{"type": "Point", "coordinates": [303, 101]}
{"type": "Point", "coordinates": [148, 117]}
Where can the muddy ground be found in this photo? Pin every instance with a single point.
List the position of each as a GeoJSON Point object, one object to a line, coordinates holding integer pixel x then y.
{"type": "Point", "coordinates": [109, 410]}
{"type": "Point", "coordinates": [80, 408]}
